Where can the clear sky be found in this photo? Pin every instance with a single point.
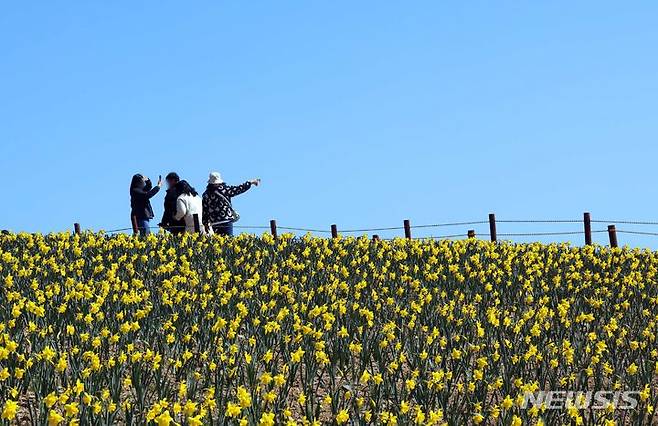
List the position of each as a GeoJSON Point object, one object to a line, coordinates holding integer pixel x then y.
{"type": "Point", "coordinates": [356, 113]}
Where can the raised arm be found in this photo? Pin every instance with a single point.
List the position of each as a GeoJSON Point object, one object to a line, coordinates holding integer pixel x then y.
{"type": "Point", "coordinates": [147, 192]}
{"type": "Point", "coordinates": [233, 190]}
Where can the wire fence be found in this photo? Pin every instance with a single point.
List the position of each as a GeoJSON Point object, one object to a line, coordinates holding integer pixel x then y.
{"type": "Point", "coordinates": [424, 231]}
{"type": "Point", "coordinates": [623, 231]}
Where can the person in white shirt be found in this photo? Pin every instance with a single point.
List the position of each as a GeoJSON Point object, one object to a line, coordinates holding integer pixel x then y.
{"type": "Point", "coordinates": [189, 203]}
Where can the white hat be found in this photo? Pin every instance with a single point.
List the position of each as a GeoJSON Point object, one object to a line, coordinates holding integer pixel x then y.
{"type": "Point", "coordinates": [215, 178]}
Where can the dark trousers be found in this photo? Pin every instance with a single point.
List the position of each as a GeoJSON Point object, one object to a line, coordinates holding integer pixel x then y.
{"type": "Point", "coordinates": [176, 229]}
{"type": "Point", "coordinates": [223, 229]}
{"type": "Point", "coordinates": [143, 226]}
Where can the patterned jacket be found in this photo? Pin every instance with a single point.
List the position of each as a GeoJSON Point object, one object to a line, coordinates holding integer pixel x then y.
{"type": "Point", "coordinates": [217, 208]}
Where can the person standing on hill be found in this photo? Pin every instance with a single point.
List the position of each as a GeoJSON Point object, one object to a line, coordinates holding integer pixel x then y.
{"type": "Point", "coordinates": [141, 192]}
{"type": "Point", "coordinates": [218, 212]}
{"type": "Point", "coordinates": [188, 204]}
{"type": "Point", "coordinates": [168, 222]}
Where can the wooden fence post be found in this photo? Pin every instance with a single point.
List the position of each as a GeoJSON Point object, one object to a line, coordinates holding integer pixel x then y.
{"type": "Point", "coordinates": [612, 234]}
{"type": "Point", "coordinates": [197, 225]}
{"type": "Point", "coordinates": [587, 221]}
{"type": "Point", "coordinates": [407, 229]}
{"type": "Point", "coordinates": [492, 227]}
{"type": "Point", "coordinates": [133, 220]}
{"type": "Point", "coordinates": [334, 231]}
{"type": "Point", "coordinates": [76, 228]}
{"type": "Point", "coordinates": [273, 228]}
{"type": "Point", "coordinates": [471, 233]}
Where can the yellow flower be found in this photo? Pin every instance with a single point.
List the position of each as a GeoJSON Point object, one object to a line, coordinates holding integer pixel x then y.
{"type": "Point", "coordinates": [51, 399]}
{"type": "Point", "coordinates": [342, 417]}
{"type": "Point", "coordinates": [71, 409]}
{"type": "Point", "coordinates": [632, 369]}
{"type": "Point", "coordinates": [297, 355]}
{"type": "Point", "coordinates": [233, 410]}
{"type": "Point", "coordinates": [164, 419]}
{"type": "Point", "coordinates": [79, 387]}
{"type": "Point", "coordinates": [61, 364]}
{"type": "Point", "coordinates": [54, 418]}
{"type": "Point", "coordinates": [195, 421]}
{"type": "Point", "coordinates": [266, 419]}
{"type": "Point", "coordinates": [244, 397]}
{"type": "Point", "coordinates": [645, 393]}
{"type": "Point", "coordinates": [410, 384]}
{"type": "Point", "coordinates": [189, 408]}
{"type": "Point", "coordinates": [182, 390]}
{"type": "Point", "coordinates": [279, 380]}
{"type": "Point", "coordinates": [266, 378]}
{"type": "Point", "coordinates": [9, 410]}
{"type": "Point", "coordinates": [420, 416]}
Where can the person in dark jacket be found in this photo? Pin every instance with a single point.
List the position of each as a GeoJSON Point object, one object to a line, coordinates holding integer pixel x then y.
{"type": "Point", "coordinates": [141, 192]}
{"type": "Point", "coordinates": [168, 221]}
{"type": "Point", "coordinates": [217, 209]}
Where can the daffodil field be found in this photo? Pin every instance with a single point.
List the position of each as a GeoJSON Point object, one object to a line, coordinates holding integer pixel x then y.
{"type": "Point", "coordinates": [164, 330]}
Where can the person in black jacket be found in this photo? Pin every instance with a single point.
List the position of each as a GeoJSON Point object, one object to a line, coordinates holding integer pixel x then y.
{"type": "Point", "coordinates": [168, 221]}
{"type": "Point", "coordinates": [141, 192]}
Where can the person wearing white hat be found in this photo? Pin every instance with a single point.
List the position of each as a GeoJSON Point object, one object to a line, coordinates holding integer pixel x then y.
{"type": "Point", "coordinates": [218, 211]}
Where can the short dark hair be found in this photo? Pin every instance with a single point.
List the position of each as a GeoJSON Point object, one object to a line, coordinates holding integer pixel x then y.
{"type": "Point", "coordinates": [172, 176]}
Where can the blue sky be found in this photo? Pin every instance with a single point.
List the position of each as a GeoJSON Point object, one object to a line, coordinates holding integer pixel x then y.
{"type": "Point", "coordinates": [356, 113]}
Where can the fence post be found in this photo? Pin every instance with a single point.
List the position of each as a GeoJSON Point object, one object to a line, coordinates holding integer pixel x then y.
{"type": "Point", "coordinates": [334, 231]}
{"type": "Point", "coordinates": [492, 227]}
{"type": "Point", "coordinates": [133, 220]}
{"type": "Point", "coordinates": [407, 229]}
{"type": "Point", "coordinates": [471, 233]}
{"type": "Point", "coordinates": [587, 221]}
{"type": "Point", "coordinates": [197, 225]}
{"type": "Point", "coordinates": [76, 228]}
{"type": "Point", "coordinates": [612, 234]}
{"type": "Point", "coordinates": [273, 228]}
